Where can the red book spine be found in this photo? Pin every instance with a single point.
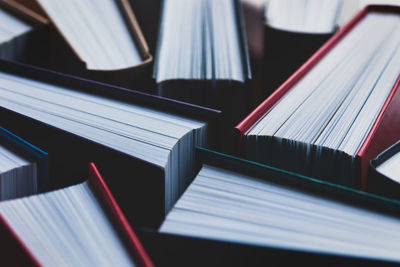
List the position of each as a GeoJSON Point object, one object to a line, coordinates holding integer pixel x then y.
{"type": "Point", "coordinates": [258, 113]}
{"type": "Point", "coordinates": [386, 128]}
{"type": "Point", "coordinates": [119, 219]}
{"type": "Point", "coordinates": [13, 250]}
{"type": "Point", "coordinates": [17, 254]}
{"type": "Point", "coordinates": [384, 132]}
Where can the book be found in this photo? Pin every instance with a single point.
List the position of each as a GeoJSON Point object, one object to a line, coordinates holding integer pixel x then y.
{"type": "Point", "coordinates": [32, 7]}
{"type": "Point", "coordinates": [390, 167]}
{"type": "Point", "coordinates": [113, 50]}
{"type": "Point", "coordinates": [127, 133]}
{"type": "Point", "coordinates": [241, 212]}
{"type": "Point", "coordinates": [23, 167]}
{"type": "Point", "coordinates": [293, 31]}
{"type": "Point", "coordinates": [12, 27]}
{"type": "Point", "coordinates": [333, 115]}
{"type": "Point", "coordinates": [23, 35]}
{"type": "Point", "coordinates": [351, 7]}
{"type": "Point", "coordinates": [303, 16]}
{"type": "Point", "coordinates": [253, 13]}
{"type": "Point", "coordinates": [383, 172]}
{"type": "Point", "coordinates": [363, 3]}
{"type": "Point", "coordinates": [203, 59]}
{"type": "Point", "coordinates": [148, 16]}
{"type": "Point", "coordinates": [77, 225]}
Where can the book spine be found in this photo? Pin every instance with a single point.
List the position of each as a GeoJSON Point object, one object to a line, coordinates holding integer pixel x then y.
{"type": "Point", "coordinates": [113, 209]}
{"type": "Point", "coordinates": [12, 247]}
{"type": "Point", "coordinates": [384, 132]}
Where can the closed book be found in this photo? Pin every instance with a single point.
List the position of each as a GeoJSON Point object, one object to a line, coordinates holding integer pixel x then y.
{"type": "Point", "coordinates": [208, 66]}
{"type": "Point", "coordinates": [284, 53]}
{"type": "Point", "coordinates": [26, 34]}
{"type": "Point", "coordinates": [332, 162]}
{"type": "Point", "coordinates": [383, 179]}
{"type": "Point", "coordinates": [31, 154]}
{"type": "Point", "coordinates": [226, 245]}
{"type": "Point", "coordinates": [17, 249]}
{"type": "Point", "coordinates": [292, 34]}
{"type": "Point", "coordinates": [118, 55]}
{"type": "Point", "coordinates": [137, 176]}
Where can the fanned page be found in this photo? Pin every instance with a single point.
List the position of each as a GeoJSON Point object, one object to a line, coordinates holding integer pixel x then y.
{"type": "Point", "coordinates": [336, 103]}
{"type": "Point", "coordinates": [67, 227]}
{"type": "Point", "coordinates": [18, 176]}
{"type": "Point", "coordinates": [308, 16]}
{"type": "Point", "coordinates": [11, 27]}
{"type": "Point", "coordinates": [97, 32]}
{"type": "Point", "coordinates": [161, 138]}
{"type": "Point", "coordinates": [391, 167]}
{"type": "Point", "coordinates": [224, 205]}
{"type": "Point", "coordinates": [199, 40]}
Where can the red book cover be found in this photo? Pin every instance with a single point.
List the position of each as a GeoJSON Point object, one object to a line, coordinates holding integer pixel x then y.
{"type": "Point", "coordinates": [17, 254]}
{"type": "Point", "coordinates": [386, 128]}
{"type": "Point", "coordinates": [118, 218]}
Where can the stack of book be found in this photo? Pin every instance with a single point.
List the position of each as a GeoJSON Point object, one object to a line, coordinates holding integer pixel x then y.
{"type": "Point", "coordinates": [311, 175]}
